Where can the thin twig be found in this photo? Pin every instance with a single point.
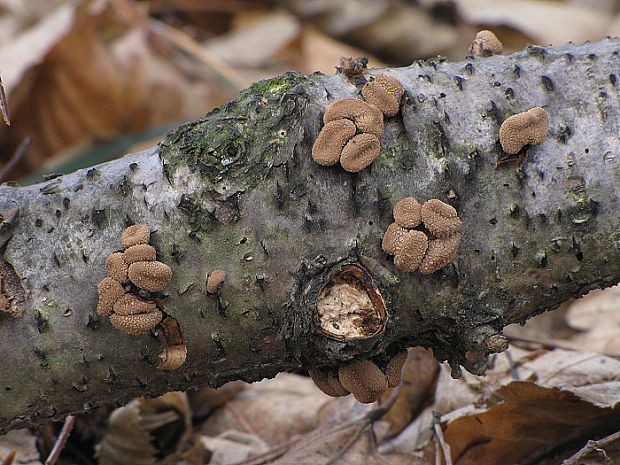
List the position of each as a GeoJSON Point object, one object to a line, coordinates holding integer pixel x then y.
{"type": "Point", "coordinates": [271, 454]}
{"type": "Point", "coordinates": [61, 441]}
{"type": "Point", "coordinates": [445, 448]}
{"type": "Point", "coordinates": [544, 344]}
{"type": "Point", "coordinates": [19, 153]}
{"type": "Point", "coordinates": [591, 446]}
{"type": "Point", "coordinates": [348, 445]}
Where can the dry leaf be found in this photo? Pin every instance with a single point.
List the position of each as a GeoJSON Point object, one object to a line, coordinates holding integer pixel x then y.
{"type": "Point", "coordinates": [82, 74]}
{"type": "Point", "coordinates": [416, 389]}
{"type": "Point", "coordinates": [206, 399]}
{"type": "Point", "coordinates": [276, 409]}
{"type": "Point", "coordinates": [233, 446]}
{"type": "Point", "coordinates": [22, 441]}
{"type": "Point", "coordinates": [546, 22]}
{"type": "Point", "coordinates": [145, 429]}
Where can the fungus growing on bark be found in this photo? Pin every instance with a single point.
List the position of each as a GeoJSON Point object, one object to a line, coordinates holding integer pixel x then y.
{"type": "Point", "coordinates": [151, 276]}
{"type": "Point", "coordinates": [360, 152]}
{"type": "Point", "coordinates": [486, 44]}
{"type": "Point", "coordinates": [130, 304]}
{"type": "Point", "coordinates": [350, 306]}
{"type": "Point", "coordinates": [407, 212]}
{"type": "Point", "coordinates": [136, 324]}
{"type": "Point", "coordinates": [367, 118]}
{"type": "Point", "coordinates": [140, 253]}
{"type": "Point", "coordinates": [117, 267]}
{"type": "Point", "coordinates": [364, 380]}
{"type": "Point", "coordinates": [411, 248]}
{"type": "Point", "coordinates": [411, 251]}
{"type": "Point", "coordinates": [441, 251]}
{"type": "Point", "coordinates": [394, 368]}
{"type": "Point", "coordinates": [136, 234]}
{"type": "Point", "coordinates": [109, 291]}
{"type": "Point", "coordinates": [331, 140]}
{"type": "Point", "coordinates": [527, 128]}
{"type": "Point", "coordinates": [385, 93]}
{"type": "Point", "coordinates": [215, 280]}
{"type": "Point", "coordinates": [392, 238]}
{"type": "Point", "coordinates": [440, 218]}
{"type": "Point", "coordinates": [327, 382]}
{"type": "Point", "coordinates": [175, 352]}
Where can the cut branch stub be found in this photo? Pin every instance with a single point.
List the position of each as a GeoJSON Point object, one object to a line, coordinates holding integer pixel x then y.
{"type": "Point", "coordinates": [350, 306]}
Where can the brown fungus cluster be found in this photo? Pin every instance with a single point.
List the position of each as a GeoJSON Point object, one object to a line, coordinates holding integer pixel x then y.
{"type": "Point", "coordinates": [362, 378]}
{"type": "Point", "coordinates": [486, 44]}
{"type": "Point", "coordinates": [353, 128]}
{"type": "Point", "coordinates": [425, 250]}
{"type": "Point", "coordinates": [527, 128]}
{"type": "Point", "coordinates": [130, 273]}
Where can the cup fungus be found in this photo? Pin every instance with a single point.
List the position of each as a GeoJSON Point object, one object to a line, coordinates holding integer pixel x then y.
{"type": "Point", "coordinates": [441, 251]}
{"type": "Point", "coordinates": [151, 276]}
{"type": "Point", "coordinates": [427, 250]}
{"type": "Point", "coordinates": [215, 280]}
{"type": "Point", "coordinates": [527, 128]}
{"type": "Point", "coordinates": [136, 234]}
{"type": "Point", "coordinates": [486, 44]}
{"type": "Point", "coordinates": [117, 267]}
{"type": "Point", "coordinates": [364, 380]}
{"type": "Point", "coordinates": [411, 251]}
{"type": "Point", "coordinates": [110, 290]}
{"type": "Point", "coordinates": [331, 140]}
{"type": "Point", "coordinates": [407, 212]}
{"type": "Point", "coordinates": [394, 369]}
{"type": "Point", "coordinates": [139, 253]}
{"type": "Point", "coordinates": [127, 311]}
{"type": "Point", "coordinates": [393, 237]}
{"type": "Point", "coordinates": [327, 382]}
{"type": "Point", "coordinates": [440, 218]}
{"type": "Point", "coordinates": [385, 93]}
{"type": "Point", "coordinates": [367, 118]}
{"type": "Point", "coordinates": [360, 152]}
{"type": "Point", "coordinates": [136, 324]}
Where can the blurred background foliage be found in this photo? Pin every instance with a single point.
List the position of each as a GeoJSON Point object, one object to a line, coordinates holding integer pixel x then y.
{"type": "Point", "coordinates": [91, 80]}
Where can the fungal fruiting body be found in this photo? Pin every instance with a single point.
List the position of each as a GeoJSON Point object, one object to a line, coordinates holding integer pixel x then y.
{"type": "Point", "coordinates": [486, 44]}
{"type": "Point", "coordinates": [385, 93]}
{"type": "Point", "coordinates": [424, 250]}
{"type": "Point", "coordinates": [362, 378]}
{"type": "Point", "coordinates": [353, 128]}
{"type": "Point", "coordinates": [129, 312]}
{"type": "Point", "coordinates": [527, 128]}
{"type": "Point", "coordinates": [215, 280]}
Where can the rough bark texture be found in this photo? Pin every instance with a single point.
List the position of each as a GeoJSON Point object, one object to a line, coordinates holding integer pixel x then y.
{"type": "Point", "coordinates": [238, 191]}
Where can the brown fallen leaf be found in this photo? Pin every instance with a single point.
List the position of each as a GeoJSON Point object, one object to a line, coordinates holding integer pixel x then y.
{"type": "Point", "coordinates": [277, 409]}
{"type": "Point", "coordinates": [530, 418]}
{"type": "Point", "coordinates": [145, 429]}
{"type": "Point", "coordinates": [84, 73]}
{"type": "Point", "coordinates": [416, 389]}
{"type": "Point", "coordinates": [23, 444]}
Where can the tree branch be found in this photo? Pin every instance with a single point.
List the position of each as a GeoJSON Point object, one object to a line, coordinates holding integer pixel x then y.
{"type": "Point", "coordinates": [238, 191]}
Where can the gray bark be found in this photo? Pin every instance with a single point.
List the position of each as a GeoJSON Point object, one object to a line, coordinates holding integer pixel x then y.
{"type": "Point", "coordinates": [238, 190]}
